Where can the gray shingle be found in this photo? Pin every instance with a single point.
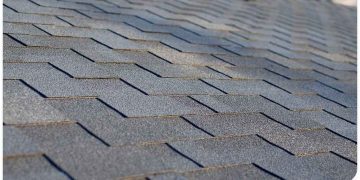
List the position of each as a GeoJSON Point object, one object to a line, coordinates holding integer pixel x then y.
{"type": "Point", "coordinates": [334, 65]}
{"type": "Point", "coordinates": [244, 61]}
{"type": "Point", "coordinates": [37, 54]}
{"type": "Point", "coordinates": [312, 142]}
{"type": "Point", "coordinates": [239, 72]}
{"type": "Point", "coordinates": [244, 87]}
{"type": "Point", "coordinates": [291, 73]}
{"type": "Point", "coordinates": [235, 124]}
{"type": "Point", "coordinates": [141, 105]}
{"type": "Point", "coordinates": [232, 103]}
{"type": "Point", "coordinates": [122, 56]}
{"type": "Point", "coordinates": [115, 162]}
{"type": "Point", "coordinates": [66, 5]}
{"type": "Point", "coordinates": [24, 6]}
{"type": "Point", "coordinates": [346, 113]}
{"type": "Point", "coordinates": [339, 75]}
{"type": "Point", "coordinates": [31, 167]}
{"type": "Point", "coordinates": [314, 119]}
{"type": "Point", "coordinates": [302, 87]}
{"type": "Point", "coordinates": [23, 105]}
{"type": "Point", "coordinates": [228, 172]}
{"type": "Point", "coordinates": [8, 42]}
{"type": "Point", "coordinates": [265, 54]}
{"type": "Point", "coordinates": [60, 42]}
{"type": "Point", "coordinates": [17, 143]}
{"type": "Point", "coordinates": [299, 103]}
{"type": "Point", "coordinates": [183, 71]}
{"type": "Point", "coordinates": [17, 28]}
{"type": "Point", "coordinates": [33, 18]}
{"type": "Point", "coordinates": [53, 136]}
{"type": "Point", "coordinates": [190, 58]}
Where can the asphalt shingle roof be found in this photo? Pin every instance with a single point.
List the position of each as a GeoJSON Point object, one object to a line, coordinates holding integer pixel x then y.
{"type": "Point", "coordinates": [230, 89]}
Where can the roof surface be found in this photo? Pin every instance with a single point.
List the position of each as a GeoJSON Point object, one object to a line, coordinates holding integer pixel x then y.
{"type": "Point", "coordinates": [179, 89]}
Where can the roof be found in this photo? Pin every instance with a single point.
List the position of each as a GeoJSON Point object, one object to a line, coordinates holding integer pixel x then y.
{"type": "Point", "coordinates": [105, 89]}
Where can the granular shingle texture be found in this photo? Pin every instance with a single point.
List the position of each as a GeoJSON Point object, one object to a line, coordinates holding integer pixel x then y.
{"type": "Point", "coordinates": [183, 89]}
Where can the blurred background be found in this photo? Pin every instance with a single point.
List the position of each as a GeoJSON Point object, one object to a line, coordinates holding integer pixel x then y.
{"type": "Point", "coordinates": [345, 2]}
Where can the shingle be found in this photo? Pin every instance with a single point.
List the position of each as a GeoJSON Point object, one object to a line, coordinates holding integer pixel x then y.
{"type": "Point", "coordinates": [348, 100]}
{"type": "Point", "coordinates": [73, 31]}
{"type": "Point", "coordinates": [17, 28]}
{"type": "Point", "coordinates": [115, 162]}
{"type": "Point", "coordinates": [312, 142]}
{"type": "Point", "coordinates": [112, 128]}
{"type": "Point", "coordinates": [66, 5]}
{"type": "Point", "coordinates": [235, 124]}
{"type": "Point", "coordinates": [37, 54]}
{"type": "Point", "coordinates": [24, 6]}
{"type": "Point", "coordinates": [17, 143]}
{"type": "Point", "coordinates": [122, 56]}
{"type": "Point", "coordinates": [334, 65]}
{"type": "Point", "coordinates": [31, 167]}
{"type": "Point", "coordinates": [244, 87]}
{"type": "Point", "coordinates": [301, 87]}
{"type": "Point", "coordinates": [33, 18]}
{"type": "Point", "coordinates": [229, 172]}
{"type": "Point", "coordinates": [321, 166]}
{"type": "Point", "coordinates": [190, 58]}
{"type": "Point", "coordinates": [60, 42]}
{"type": "Point", "coordinates": [141, 105]}
{"type": "Point", "coordinates": [291, 73]}
{"type": "Point", "coordinates": [348, 87]}
{"type": "Point", "coordinates": [235, 103]}
{"type": "Point", "coordinates": [244, 61]}
{"type": "Point", "coordinates": [339, 75]}
{"type": "Point", "coordinates": [194, 48]}
{"type": "Point", "coordinates": [9, 42]}
{"type": "Point", "coordinates": [314, 119]}
{"type": "Point", "coordinates": [239, 72]}
{"type": "Point", "coordinates": [53, 136]}
{"type": "Point", "coordinates": [23, 105]}
{"type": "Point", "coordinates": [346, 113]}
{"type": "Point", "coordinates": [104, 36]}
{"type": "Point", "coordinates": [265, 54]}
{"type": "Point", "coordinates": [183, 71]}
{"type": "Point", "coordinates": [96, 22]}
{"type": "Point", "coordinates": [300, 103]}
{"type": "Point", "coordinates": [226, 151]}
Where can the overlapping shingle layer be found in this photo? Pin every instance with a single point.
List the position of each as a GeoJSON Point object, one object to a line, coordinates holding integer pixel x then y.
{"type": "Point", "coordinates": [179, 89]}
